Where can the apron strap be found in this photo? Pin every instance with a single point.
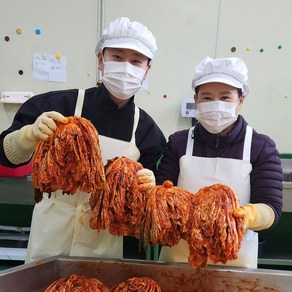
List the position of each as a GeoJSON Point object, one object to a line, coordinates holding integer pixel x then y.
{"type": "Point", "coordinates": [136, 121]}
{"type": "Point", "coordinates": [79, 103]}
{"type": "Point", "coordinates": [247, 144]}
{"type": "Point", "coordinates": [78, 111]}
{"type": "Point", "coordinates": [190, 142]}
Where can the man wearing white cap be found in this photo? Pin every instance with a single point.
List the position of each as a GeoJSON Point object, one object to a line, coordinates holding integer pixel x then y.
{"type": "Point", "coordinates": [60, 223]}
{"type": "Point", "coordinates": [223, 148]}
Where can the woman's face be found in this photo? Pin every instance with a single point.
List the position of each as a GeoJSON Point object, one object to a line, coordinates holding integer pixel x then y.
{"type": "Point", "coordinates": [214, 91]}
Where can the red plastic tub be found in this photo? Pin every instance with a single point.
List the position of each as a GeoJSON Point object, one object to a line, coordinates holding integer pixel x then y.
{"type": "Point", "coordinates": [20, 171]}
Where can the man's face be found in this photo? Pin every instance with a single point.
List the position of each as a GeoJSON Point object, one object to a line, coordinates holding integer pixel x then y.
{"type": "Point", "coordinates": [123, 55]}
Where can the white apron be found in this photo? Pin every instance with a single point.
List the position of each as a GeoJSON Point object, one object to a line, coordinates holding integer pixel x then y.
{"type": "Point", "coordinates": [60, 225]}
{"type": "Point", "coordinates": [198, 172]}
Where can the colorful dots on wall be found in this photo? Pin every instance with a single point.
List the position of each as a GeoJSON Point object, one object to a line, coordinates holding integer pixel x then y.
{"type": "Point", "coordinates": [58, 56]}
{"type": "Point", "coordinates": [19, 32]}
{"type": "Point", "coordinates": [248, 49]}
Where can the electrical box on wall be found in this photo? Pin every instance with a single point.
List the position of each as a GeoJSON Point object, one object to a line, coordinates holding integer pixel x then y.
{"type": "Point", "coordinates": [15, 96]}
{"type": "Point", "coordinates": [188, 108]}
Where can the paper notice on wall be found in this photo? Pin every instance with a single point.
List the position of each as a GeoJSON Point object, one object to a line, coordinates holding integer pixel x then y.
{"type": "Point", "coordinates": [49, 68]}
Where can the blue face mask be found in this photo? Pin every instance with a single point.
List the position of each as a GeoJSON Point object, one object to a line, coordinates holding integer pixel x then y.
{"type": "Point", "coordinates": [215, 116]}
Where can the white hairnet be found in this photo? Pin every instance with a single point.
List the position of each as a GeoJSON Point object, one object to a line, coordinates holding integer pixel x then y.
{"type": "Point", "coordinates": [122, 33]}
{"type": "Point", "coordinates": [231, 71]}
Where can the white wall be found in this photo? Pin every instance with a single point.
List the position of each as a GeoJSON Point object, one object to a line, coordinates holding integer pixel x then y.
{"type": "Point", "coordinates": [186, 32]}
{"type": "Point", "coordinates": [189, 30]}
{"type": "Point", "coordinates": [262, 24]}
{"type": "Point", "coordinates": [68, 27]}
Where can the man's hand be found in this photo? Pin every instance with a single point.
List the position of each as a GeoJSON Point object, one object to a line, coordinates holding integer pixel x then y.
{"type": "Point", "coordinates": [45, 125]}
{"type": "Point", "coordinates": [19, 145]}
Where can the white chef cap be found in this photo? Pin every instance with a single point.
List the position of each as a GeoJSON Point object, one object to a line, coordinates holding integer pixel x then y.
{"type": "Point", "coordinates": [122, 33]}
{"type": "Point", "coordinates": [231, 71]}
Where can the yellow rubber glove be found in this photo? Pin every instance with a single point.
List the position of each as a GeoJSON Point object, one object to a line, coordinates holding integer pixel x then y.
{"type": "Point", "coordinates": [146, 179]}
{"type": "Point", "coordinates": [256, 216]}
{"type": "Point", "coordinates": [45, 125]}
{"type": "Point", "coordinates": [19, 145]}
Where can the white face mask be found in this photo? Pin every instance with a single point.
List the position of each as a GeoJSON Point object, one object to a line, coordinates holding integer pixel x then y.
{"type": "Point", "coordinates": [122, 79]}
{"type": "Point", "coordinates": [215, 116]}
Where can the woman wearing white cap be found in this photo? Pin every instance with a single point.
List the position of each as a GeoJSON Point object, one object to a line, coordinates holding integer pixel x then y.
{"type": "Point", "coordinates": [223, 148]}
{"type": "Point", "coordinates": [124, 52]}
